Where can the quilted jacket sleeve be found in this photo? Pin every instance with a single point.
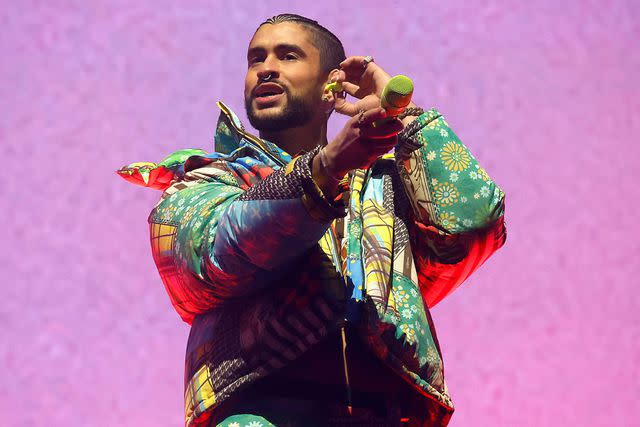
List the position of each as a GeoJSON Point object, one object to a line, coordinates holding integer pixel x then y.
{"type": "Point", "coordinates": [212, 241]}
{"type": "Point", "coordinates": [458, 209]}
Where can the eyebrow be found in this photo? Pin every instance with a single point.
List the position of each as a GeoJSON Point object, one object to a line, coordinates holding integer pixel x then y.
{"type": "Point", "coordinates": [279, 48]}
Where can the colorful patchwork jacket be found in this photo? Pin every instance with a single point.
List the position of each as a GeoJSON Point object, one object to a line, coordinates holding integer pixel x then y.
{"type": "Point", "coordinates": [263, 267]}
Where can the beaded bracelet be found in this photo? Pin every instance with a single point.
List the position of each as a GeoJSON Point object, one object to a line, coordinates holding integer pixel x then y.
{"type": "Point", "coordinates": [411, 111]}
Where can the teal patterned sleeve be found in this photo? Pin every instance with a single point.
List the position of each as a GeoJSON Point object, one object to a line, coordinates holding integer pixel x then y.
{"type": "Point", "coordinates": [446, 186]}
{"type": "Point", "coordinates": [458, 209]}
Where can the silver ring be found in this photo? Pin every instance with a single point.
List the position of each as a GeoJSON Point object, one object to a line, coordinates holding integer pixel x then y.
{"type": "Point", "coordinates": [367, 60]}
{"type": "Point", "coordinates": [361, 118]}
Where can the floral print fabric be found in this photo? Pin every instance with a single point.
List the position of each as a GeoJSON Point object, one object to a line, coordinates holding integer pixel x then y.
{"type": "Point", "coordinates": [451, 190]}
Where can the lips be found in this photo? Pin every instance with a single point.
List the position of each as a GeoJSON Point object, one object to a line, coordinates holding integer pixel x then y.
{"type": "Point", "coordinates": [266, 90]}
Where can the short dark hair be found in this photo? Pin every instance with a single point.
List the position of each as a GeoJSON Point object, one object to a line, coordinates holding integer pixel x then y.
{"type": "Point", "coordinates": [330, 46]}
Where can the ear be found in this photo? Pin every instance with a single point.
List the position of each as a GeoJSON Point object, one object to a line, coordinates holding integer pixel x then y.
{"type": "Point", "coordinates": [328, 96]}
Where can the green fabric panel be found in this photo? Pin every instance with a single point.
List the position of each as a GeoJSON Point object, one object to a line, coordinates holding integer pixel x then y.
{"type": "Point", "coordinates": [464, 195]}
{"type": "Point", "coordinates": [196, 209]}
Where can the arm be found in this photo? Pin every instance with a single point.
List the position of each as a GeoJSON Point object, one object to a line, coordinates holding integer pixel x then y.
{"type": "Point", "coordinates": [212, 241]}
{"type": "Point", "coordinates": [458, 209]}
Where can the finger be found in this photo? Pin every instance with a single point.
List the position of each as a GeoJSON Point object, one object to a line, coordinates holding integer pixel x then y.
{"type": "Point", "coordinates": [387, 144]}
{"type": "Point", "coordinates": [342, 106]}
{"type": "Point", "coordinates": [351, 61]}
{"type": "Point", "coordinates": [350, 88]}
{"type": "Point", "coordinates": [351, 75]}
{"type": "Point", "coordinates": [340, 76]}
{"type": "Point", "coordinates": [355, 68]}
{"type": "Point", "coordinates": [383, 130]}
{"type": "Point", "coordinates": [368, 102]}
{"type": "Point", "coordinates": [370, 116]}
{"type": "Point", "coordinates": [382, 145]}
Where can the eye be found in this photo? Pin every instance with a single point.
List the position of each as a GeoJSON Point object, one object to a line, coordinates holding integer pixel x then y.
{"type": "Point", "coordinates": [290, 57]}
{"type": "Point", "coordinates": [254, 59]}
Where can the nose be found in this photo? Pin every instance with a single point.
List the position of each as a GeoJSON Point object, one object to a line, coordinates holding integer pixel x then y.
{"type": "Point", "coordinates": [268, 69]}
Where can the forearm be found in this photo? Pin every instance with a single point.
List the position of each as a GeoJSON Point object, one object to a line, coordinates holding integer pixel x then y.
{"type": "Point", "coordinates": [406, 121]}
{"type": "Point", "coordinates": [213, 241]}
{"type": "Point", "coordinates": [275, 220]}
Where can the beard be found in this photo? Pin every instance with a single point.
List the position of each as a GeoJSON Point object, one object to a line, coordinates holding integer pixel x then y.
{"type": "Point", "coordinates": [297, 112]}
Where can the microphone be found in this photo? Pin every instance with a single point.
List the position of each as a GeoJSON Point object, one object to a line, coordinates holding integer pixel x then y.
{"type": "Point", "coordinates": [395, 96]}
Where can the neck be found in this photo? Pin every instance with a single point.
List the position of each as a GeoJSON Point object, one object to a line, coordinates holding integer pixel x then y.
{"type": "Point", "coordinates": [300, 139]}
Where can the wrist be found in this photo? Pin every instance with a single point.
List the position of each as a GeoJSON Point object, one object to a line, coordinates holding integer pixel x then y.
{"type": "Point", "coordinates": [411, 112]}
{"type": "Point", "coordinates": [327, 183]}
{"type": "Point", "coordinates": [328, 165]}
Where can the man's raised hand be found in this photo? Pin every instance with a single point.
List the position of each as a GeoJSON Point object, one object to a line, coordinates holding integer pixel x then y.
{"type": "Point", "coordinates": [359, 144]}
{"type": "Point", "coordinates": [361, 80]}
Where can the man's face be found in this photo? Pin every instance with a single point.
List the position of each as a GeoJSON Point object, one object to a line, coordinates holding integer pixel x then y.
{"type": "Point", "coordinates": [291, 96]}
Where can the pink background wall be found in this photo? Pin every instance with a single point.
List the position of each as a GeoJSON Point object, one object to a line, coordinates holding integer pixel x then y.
{"type": "Point", "coordinates": [545, 94]}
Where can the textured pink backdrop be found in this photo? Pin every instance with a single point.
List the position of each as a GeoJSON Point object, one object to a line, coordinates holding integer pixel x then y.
{"type": "Point", "coordinates": [545, 93]}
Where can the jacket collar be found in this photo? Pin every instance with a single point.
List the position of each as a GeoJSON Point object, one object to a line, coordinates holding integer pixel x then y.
{"type": "Point", "coordinates": [231, 135]}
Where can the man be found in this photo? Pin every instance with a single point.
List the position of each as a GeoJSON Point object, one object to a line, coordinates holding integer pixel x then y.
{"type": "Point", "coordinates": [306, 267]}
